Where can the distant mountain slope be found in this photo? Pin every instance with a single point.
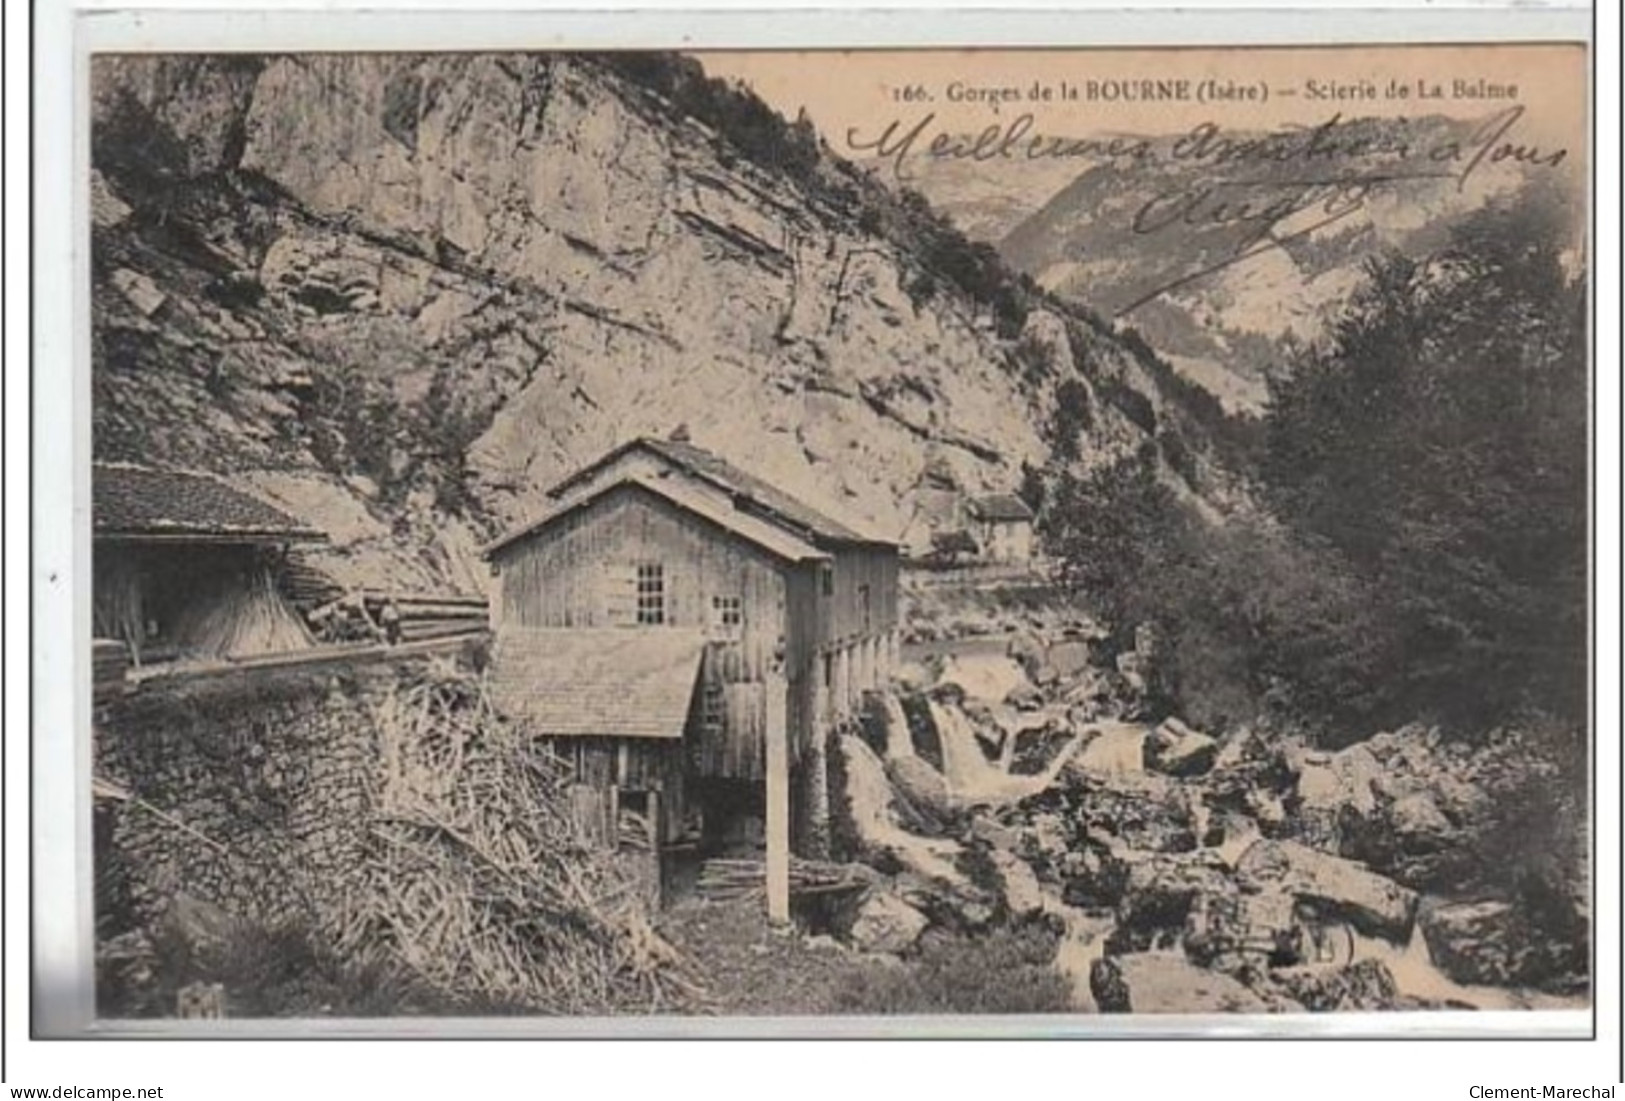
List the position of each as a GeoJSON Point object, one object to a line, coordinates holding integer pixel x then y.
{"type": "Point", "coordinates": [1222, 330]}
{"type": "Point", "coordinates": [1127, 239]}
{"type": "Point", "coordinates": [399, 295]}
{"type": "Point", "coordinates": [986, 201]}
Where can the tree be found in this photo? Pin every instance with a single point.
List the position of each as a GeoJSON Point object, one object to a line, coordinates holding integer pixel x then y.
{"type": "Point", "coordinates": [1424, 549]}
{"type": "Point", "coordinates": [1438, 441]}
{"type": "Point", "coordinates": [1074, 414]}
{"type": "Point", "coordinates": [1110, 531]}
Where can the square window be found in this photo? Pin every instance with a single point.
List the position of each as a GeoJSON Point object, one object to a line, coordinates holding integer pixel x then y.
{"type": "Point", "coordinates": [651, 593]}
{"type": "Point", "coordinates": [727, 612]}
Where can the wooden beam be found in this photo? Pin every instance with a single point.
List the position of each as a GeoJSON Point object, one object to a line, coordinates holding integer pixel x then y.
{"type": "Point", "coordinates": [841, 693]}
{"type": "Point", "coordinates": [211, 539]}
{"type": "Point", "coordinates": [778, 804]}
{"type": "Point", "coordinates": [657, 848]}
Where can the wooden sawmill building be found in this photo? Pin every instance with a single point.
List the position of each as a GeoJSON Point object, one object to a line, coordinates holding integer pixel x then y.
{"type": "Point", "coordinates": [688, 634]}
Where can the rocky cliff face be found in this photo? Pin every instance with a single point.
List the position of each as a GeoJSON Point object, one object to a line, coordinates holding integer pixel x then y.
{"type": "Point", "coordinates": [401, 295]}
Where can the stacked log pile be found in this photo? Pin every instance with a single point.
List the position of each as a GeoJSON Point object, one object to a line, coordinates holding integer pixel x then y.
{"type": "Point", "coordinates": [377, 616]}
{"type": "Point", "coordinates": [306, 586]}
{"type": "Point", "coordinates": [737, 878]}
{"type": "Point", "coordinates": [109, 662]}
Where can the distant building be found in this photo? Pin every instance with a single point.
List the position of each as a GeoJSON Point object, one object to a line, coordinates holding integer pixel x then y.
{"type": "Point", "coordinates": [673, 617]}
{"type": "Point", "coordinates": [1002, 526]}
{"type": "Point", "coordinates": [184, 566]}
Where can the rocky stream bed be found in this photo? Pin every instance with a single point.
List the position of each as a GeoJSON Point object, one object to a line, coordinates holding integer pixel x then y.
{"type": "Point", "coordinates": [1184, 872]}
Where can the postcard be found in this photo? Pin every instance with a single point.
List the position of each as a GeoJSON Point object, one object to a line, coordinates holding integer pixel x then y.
{"type": "Point", "coordinates": [1058, 540]}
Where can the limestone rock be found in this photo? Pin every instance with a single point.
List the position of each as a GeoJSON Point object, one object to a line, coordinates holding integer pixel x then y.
{"type": "Point", "coordinates": [142, 292]}
{"type": "Point", "coordinates": [1158, 892]}
{"type": "Point", "coordinates": [1157, 982]}
{"type": "Point", "coordinates": [1025, 697]}
{"type": "Point", "coordinates": [1022, 894]}
{"type": "Point", "coordinates": [1177, 750]}
{"type": "Point", "coordinates": [954, 904]}
{"type": "Point", "coordinates": [1478, 942]}
{"type": "Point", "coordinates": [885, 923]}
{"type": "Point", "coordinates": [1146, 812]}
{"type": "Point", "coordinates": [1363, 986]}
{"type": "Point", "coordinates": [106, 208]}
{"type": "Point", "coordinates": [1113, 749]}
{"type": "Point", "coordinates": [1229, 931]}
{"type": "Point", "coordinates": [1373, 904]}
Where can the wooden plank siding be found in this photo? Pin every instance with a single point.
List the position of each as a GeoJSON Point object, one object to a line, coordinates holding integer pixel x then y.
{"type": "Point", "coordinates": [557, 578]}
{"type": "Point", "coordinates": [600, 768]}
{"type": "Point", "coordinates": [812, 634]}
{"type": "Point", "coordinates": [863, 603]}
{"type": "Point", "coordinates": [805, 617]}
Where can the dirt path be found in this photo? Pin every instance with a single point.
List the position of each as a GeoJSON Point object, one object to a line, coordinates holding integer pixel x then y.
{"type": "Point", "coordinates": [753, 970]}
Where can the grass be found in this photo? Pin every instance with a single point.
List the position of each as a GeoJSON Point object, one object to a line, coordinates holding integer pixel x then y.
{"type": "Point", "coordinates": [283, 971]}
{"type": "Point", "coordinates": [753, 971]}
{"type": "Point", "coordinates": [1004, 972]}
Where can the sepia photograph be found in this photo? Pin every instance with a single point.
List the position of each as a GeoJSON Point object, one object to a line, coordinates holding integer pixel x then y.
{"type": "Point", "coordinates": [1058, 534]}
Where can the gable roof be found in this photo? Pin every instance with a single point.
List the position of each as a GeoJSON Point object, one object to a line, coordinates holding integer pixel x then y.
{"type": "Point", "coordinates": [752, 529]}
{"type": "Point", "coordinates": [753, 493]}
{"type": "Point", "coordinates": [999, 508]}
{"type": "Point", "coordinates": [614, 682]}
{"type": "Point", "coordinates": [131, 500]}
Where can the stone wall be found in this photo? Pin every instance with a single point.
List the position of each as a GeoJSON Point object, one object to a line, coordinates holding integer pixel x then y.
{"type": "Point", "coordinates": [251, 789]}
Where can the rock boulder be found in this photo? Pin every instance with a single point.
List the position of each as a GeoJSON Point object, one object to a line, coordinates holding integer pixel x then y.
{"type": "Point", "coordinates": [1158, 982]}
{"type": "Point", "coordinates": [1478, 942]}
{"type": "Point", "coordinates": [1229, 931]}
{"type": "Point", "coordinates": [1177, 750]}
{"type": "Point", "coordinates": [1157, 893]}
{"type": "Point", "coordinates": [1363, 986]}
{"type": "Point", "coordinates": [1338, 888]}
{"type": "Point", "coordinates": [885, 923]}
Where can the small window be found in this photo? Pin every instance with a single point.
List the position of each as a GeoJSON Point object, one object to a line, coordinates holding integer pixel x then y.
{"type": "Point", "coordinates": [864, 612]}
{"type": "Point", "coordinates": [711, 703]}
{"type": "Point", "coordinates": [827, 580]}
{"type": "Point", "coordinates": [727, 612]}
{"type": "Point", "coordinates": [651, 593]}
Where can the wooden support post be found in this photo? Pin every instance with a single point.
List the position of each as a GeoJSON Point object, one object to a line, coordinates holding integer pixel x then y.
{"type": "Point", "coordinates": [813, 840]}
{"type": "Point", "coordinates": [493, 607]}
{"type": "Point", "coordinates": [778, 806]}
{"type": "Point", "coordinates": [843, 681]}
{"type": "Point", "coordinates": [656, 857]}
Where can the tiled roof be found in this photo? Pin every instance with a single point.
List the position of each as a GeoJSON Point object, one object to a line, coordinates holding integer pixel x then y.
{"type": "Point", "coordinates": [999, 508]}
{"type": "Point", "coordinates": [616, 682]}
{"type": "Point", "coordinates": [138, 500]}
{"type": "Point", "coordinates": [761, 494]}
{"type": "Point", "coordinates": [769, 537]}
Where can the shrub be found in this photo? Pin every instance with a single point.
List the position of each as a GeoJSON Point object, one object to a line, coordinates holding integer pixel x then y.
{"type": "Point", "coordinates": [1074, 414]}
{"type": "Point", "coordinates": [1131, 403]}
{"type": "Point", "coordinates": [1178, 455]}
{"type": "Point", "coordinates": [1010, 970]}
{"type": "Point", "coordinates": [1032, 361]}
{"type": "Point", "coordinates": [281, 970]}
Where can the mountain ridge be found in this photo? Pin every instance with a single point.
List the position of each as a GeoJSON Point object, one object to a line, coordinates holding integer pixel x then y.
{"type": "Point", "coordinates": [402, 294]}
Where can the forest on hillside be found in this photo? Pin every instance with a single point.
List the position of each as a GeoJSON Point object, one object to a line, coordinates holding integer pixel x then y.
{"type": "Point", "coordinates": [1418, 549]}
